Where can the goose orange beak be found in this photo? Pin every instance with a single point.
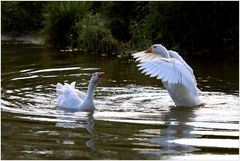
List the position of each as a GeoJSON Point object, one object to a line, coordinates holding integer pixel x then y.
{"type": "Point", "coordinates": [100, 74]}
{"type": "Point", "coordinates": [149, 50]}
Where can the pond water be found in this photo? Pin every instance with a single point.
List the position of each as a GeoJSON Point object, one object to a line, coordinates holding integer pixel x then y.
{"type": "Point", "coordinates": [135, 117]}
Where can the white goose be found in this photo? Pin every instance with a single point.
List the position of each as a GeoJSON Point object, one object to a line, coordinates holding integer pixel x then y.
{"type": "Point", "coordinates": [176, 75]}
{"type": "Point", "coordinates": [72, 99]}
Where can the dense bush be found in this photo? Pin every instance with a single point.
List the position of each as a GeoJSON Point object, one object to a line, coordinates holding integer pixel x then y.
{"type": "Point", "coordinates": [95, 36]}
{"type": "Point", "coordinates": [121, 14]}
{"type": "Point", "coordinates": [20, 18]}
{"type": "Point", "coordinates": [141, 37]}
{"type": "Point", "coordinates": [60, 19]}
{"type": "Point", "coordinates": [194, 26]}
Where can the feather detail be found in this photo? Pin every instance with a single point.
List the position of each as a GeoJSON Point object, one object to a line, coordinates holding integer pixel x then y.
{"type": "Point", "coordinates": [73, 84]}
{"type": "Point", "coordinates": [138, 54]}
{"type": "Point", "coordinates": [143, 56]}
{"type": "Point", "coordinates": [169, 70]}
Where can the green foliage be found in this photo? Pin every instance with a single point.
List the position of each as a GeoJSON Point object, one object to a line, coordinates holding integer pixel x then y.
{"type": "Point", "coordinates": [95, 36]}
{"type": "Point", "coordinates": [19, 18]}
{"type": "Point", "coordinates": [121, 14]}
{"type": "Point", "coordinates": [61, 18]}
{"type": "Point", "coordinates": [141, 38]}
{"type": "Point", "coordinates": [194, 26]}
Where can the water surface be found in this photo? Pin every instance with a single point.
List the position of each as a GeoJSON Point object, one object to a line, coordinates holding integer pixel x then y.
{"type": "Point", "coordinates": [135, 117]}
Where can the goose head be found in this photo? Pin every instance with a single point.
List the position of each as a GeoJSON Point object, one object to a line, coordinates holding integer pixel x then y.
{"type": "Point", "coordinates": [158, 49]}
{"type": "Point", "coordinates": [96, 77]}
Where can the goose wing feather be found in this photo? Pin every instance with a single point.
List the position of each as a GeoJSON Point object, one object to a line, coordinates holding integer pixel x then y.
{"type": "Point", "coordinates": [71, 87]}
{"type": "Point", "coordinates": [143, 56]}
{"type": "Point", "coordinates": [70, 97]}
{"type": "Point", "coordinates": [171, 71]}
{"type": "Point", "coordinates": [59, 89]}
{"type": "Point", "coordinates": [175, 55]}
{"type": "Point", "coordinates": [80, 94]}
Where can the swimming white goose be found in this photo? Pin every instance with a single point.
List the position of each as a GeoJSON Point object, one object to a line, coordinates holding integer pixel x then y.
{"type": "Point", "coordinates": [176, 75]}
{"type": "Point", "coordinates": [72, 99]}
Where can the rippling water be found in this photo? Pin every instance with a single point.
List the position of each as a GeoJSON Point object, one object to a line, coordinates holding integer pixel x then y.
{"type": "Point", "coordinates": [135, 117]}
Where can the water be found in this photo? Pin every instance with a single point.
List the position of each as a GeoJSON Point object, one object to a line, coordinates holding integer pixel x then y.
{"type": "Point", "coordinates": [135, 117]}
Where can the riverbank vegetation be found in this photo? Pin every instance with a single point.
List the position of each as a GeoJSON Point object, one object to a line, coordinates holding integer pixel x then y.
{"type": "Point", "coordinates": [115, 27]}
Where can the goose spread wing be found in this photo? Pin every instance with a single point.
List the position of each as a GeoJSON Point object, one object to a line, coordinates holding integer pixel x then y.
{"type": "Point", "coordinates": [143, 56]}
{"type": "Point", "coordinates": [170, 71]}
{"type": "Point", "coordinates": [175, 55]}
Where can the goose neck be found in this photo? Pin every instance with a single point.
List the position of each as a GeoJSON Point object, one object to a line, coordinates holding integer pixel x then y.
{"type": "Point", "coordinates": [166, 55]}
{"type": "Point", "coordinates": [91, 87]}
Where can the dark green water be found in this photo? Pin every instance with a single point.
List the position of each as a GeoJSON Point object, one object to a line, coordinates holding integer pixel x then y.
{"type": "Point", "coordinates": [135, 117]}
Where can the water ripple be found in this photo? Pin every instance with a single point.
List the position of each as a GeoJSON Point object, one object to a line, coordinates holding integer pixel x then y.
{"type": "Point", "coordinates": [188, 129]}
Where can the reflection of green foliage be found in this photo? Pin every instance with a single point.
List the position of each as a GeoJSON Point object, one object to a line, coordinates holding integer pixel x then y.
{"type": "Point", "coordinates": [19, 18]}
{"type": "Point", "coordinates": [94, 35]}
{"type": "Point", "coordinates": [60, 19]}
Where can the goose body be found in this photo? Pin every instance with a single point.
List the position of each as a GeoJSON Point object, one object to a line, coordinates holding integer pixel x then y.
{"type": "Point", "coordinates": [71, 98]}
{"type": "Point", "coordinates": [176, 75]}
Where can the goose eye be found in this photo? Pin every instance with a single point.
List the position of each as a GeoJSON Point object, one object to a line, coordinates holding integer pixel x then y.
{"type": "Point", "coordinates": [154, 46]}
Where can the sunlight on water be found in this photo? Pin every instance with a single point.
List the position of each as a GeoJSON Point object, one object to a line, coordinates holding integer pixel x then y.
{"type": "Point", "coordinates": [22, 78]}
{"type": "Point", "coordinates": [220, 143]}
{"type": "Point", "coordinates": [45, 119]}
{"type": "Point", "coordinates": [213, 125]}
{"type": "Point", "coordinates": [217, 133]}
{"type": "Point", "coordinates": [206, 158]}
{"type": "Point", "coordinates": [54, 70]}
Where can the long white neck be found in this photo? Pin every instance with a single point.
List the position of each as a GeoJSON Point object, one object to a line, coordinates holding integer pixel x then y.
{"type": "Point", "coordinates": [164, 52]}
{"type": "Point", "coordinates": [91, 87]}
{"type": "Point", "coordinates": [166, 55]}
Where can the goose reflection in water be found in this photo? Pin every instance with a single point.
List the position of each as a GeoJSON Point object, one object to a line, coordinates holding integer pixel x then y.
{"type": "Point", "coordinates": [74, 119]}
{"type": "Point", "coordinates": [177, 128]}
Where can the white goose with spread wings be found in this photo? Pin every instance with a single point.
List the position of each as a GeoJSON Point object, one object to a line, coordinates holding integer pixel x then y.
{"type": "Point", "coordinates": [177, 76]}
{"type": "Point", "coordinates": [73, 99]}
